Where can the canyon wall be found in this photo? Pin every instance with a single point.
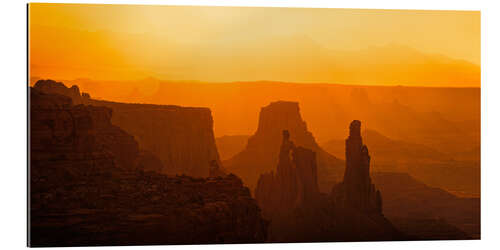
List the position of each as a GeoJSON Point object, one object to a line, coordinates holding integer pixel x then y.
{"type": "Point", "coordinates": [182, 137]}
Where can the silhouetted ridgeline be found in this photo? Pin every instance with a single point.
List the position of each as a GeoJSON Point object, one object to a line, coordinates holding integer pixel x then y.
{"type": "Point", "coordinates": [90, 185]}
{"type": "Point", "coordinates": [427, 212]}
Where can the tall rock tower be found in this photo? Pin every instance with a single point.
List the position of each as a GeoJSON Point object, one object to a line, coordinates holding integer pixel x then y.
{"type": "Point", "coordinates": [357, 190]}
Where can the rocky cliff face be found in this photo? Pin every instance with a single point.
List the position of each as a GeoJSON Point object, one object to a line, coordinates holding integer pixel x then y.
{"type": "Point", "coordinates": [90, 185]}
{"type": "Point", "coordinates": [181, 137]}
{"type": "Point", "coordinates": [295, 182]}
{"type": "Point", "coordinates": [262, 150]}
{"type": "Point", "coordinates": [62, 134]}
{"type": "Point", "coordinates": [356, 190]}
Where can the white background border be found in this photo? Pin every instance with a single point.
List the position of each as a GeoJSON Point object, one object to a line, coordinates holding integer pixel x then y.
{"type": "Point", "coordinates": [13, 84]}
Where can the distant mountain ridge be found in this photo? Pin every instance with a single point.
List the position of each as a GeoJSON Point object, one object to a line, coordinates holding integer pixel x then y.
{"type": "Point", "coordinates": [422, 162]}
{"type": "Point", "coordinates": [387, 150]}
{"type": "Point", "coordinates": [420, 111]}
{"type": "Point", "coordinates": [294, 58]}
{"type": "Point", "coordinates": [418, 209]}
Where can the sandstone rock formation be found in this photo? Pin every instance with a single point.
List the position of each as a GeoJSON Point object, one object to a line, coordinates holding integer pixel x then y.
{"type": "Point", "coordinates": [262, 150]}
{"type": "Point", "coordinates": [356, 190]}
{"type": "Point", "coordinates": [295, 182]}
{"type": "Point", "coordinates": [90, 185]}
{"type": "Point", "coordinates": [298, 212]}
{"type": "Point", "coordinates": [61, 133]}
{"type": "Point", "coordinates": [422, 162]}
{"type": "Point", "coordinates": [182, 137]}
{"type": "Point", "coordinates": [141, 208]}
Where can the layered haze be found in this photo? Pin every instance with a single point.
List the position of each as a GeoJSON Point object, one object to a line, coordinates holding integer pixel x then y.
{"type": "Point", "coordinates": [225, 44]}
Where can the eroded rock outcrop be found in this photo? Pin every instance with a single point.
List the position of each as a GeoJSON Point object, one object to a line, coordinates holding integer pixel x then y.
{"type": "Point", "coordinates": [182, 137]}
{"type": "Point", "coordinates": [64, 134]}
{"type": "Point", "coordinates": [295, 182]}
{"type": "Point", "coordinates": [262, 152]}
{"type": "Point", "coordinates": [299, 212]}
{"type": "Point", "coordinates": [357, 190]}
{"type": "Point", "coordinates": [90, 185]}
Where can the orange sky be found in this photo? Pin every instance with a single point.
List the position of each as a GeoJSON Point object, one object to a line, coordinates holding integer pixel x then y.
{"type": "Point", "coordinates": [220, 44]}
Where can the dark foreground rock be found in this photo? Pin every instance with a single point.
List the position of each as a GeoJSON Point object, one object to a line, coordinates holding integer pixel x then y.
{"type": "Point", "coordinates": [130, 208]}
{"type": "Point", "coordinates": [89, 184]}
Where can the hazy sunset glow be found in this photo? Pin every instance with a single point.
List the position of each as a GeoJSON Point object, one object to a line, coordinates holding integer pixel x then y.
{"type": "Point", "coordinates": [224, 44]}
{"type": "Point", "coordinates": [153, 125]}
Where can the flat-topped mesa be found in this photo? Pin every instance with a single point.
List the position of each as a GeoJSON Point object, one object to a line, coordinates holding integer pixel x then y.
{"type": "Point", "coordinates": [182, 137]}
{"type": "Point", "coordinates": [357, 190]}
{"type": "Point", "coordinates": [283, 114]}
{"type": "Point", "coordinates": [262, 153]}
{"type": "Point", "coordinates": [295, 182]}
